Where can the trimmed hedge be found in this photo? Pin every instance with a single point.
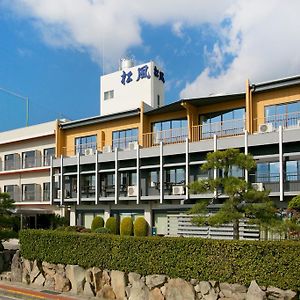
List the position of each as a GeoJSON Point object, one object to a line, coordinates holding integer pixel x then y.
{"type": "Point", "coordinates": [112, 225]}
{"type": "Point", "coordinates": [126, 227]}
{"type": "Point", "coordinates": [97, 222]}
{"type": "Point", "coordinates": [140, 227]}
{"type": "Point", "coordinates": [273, 263]}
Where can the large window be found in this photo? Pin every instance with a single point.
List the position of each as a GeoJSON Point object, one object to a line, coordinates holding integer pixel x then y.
{"type": "Point", "coordinates": [11, 162]}
{"type": "Point", "coordinates": [175, 176]}
{"type": "Point", "coordinates": [88, 186]}
{"type": "Point", "coordinates": [30, 159]}
{"type": "Point", "coordinates": [286, 114]}
{"type": "Point", "coordinates": [46, 191]}
{"type": "Point", "coordinates": [293, 170]}
{"type": "Point", "coordinates": [29, 192]}
{"type": "Point", "coordinates": [13, 191]}
{"type": "Point", "coordinates": [48, 153]}
{"type": "Point", "coordinates": [170, 131]}
{"type": "Point", "coordinates": [267, 172]}
{"type": "Point", "coordinates": [222, 123]}
{"type": "Point", "coordinates": [85, 142]}
{"type": "Point", "coordinates": [122, 138]}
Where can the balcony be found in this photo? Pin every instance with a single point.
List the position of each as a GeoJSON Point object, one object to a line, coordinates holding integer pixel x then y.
{"type": "Point", "coordinates": [289, 120]}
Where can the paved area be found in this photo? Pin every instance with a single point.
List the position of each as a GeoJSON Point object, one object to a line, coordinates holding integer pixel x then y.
{"type": "Point", "coordinates": [10, 291]}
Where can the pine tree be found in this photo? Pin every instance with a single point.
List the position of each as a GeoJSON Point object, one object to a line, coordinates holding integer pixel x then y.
{"type": "Point", "coordinates": [241, 199]}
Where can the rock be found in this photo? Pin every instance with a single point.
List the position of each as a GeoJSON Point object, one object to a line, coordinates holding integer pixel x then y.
{"type": "Point", "coordinates": [16, 268]}
{"type": "Point", "coordinates": [49, 282]}
{"type": "Point", "coordinates": [89, 276]}
{"type": "Point", "coordinates": [105, 278]}
{"type": "Point", "coordinates": [139, 291]}
{"type": "Point", "coordinates": [76, 275]}
{"type": "Point", "coordinates": [254, 292]}
{"type": "Point", "coordinates": [1, 261]}
{"type": "Point", "coordinates": [60, 268]}
{"type": "Point", "coordinates": [39, 280]}
{"type": "Point", "coordinates": [212, 295]}
{"type": "Point", "coordinates": [156, 294]}
{"type": "Point", "coordinates": [153, 281]}
{"type": "Point", "coordinates": [226, 289]}
{"type": "Point", "coordinates": [163, 290]}
{"type": "Point", "coordinates": [49, 269]}
{"type": "Point", "coordinates": [132, 277]}
{"type": "Point", "coordinates": [204, 287]}
{"type": "Point", "coordinates": [88, 290]}
{"type": "Point", "coordinates": [97, 275]}
{"type": "Point", "coordinates": [238, 288]}
{"type": "Point", "coordinates": [178, 288]}
{"type": "Point", "coordinates": [62, 283]}
{"type": "Point", "coordinates": [106, 293]}
{"type": "Point", "coordinates": [35, 271]}
{"type": "Point", "coordinates": [27, 265]}
{"type": "Point", "coordinates": [118, 283]}
{"type": "Point", "coordinates": [194, 281]}
{"type": "Point", "coordinates": [197, 288]}
{"type": "Point", "coordinates": [274, 293]}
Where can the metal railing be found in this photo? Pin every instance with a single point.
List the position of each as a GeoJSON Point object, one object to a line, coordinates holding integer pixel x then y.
{"type": "Point", "coordinates": [288, 120]}
{"type": "Point", "coordinates": [27, 163]}
{"type": "Point", "coordinates": [170, 136]}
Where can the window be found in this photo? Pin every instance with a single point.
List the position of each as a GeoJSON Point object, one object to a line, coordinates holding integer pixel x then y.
{"type": "Point", "coordinates": [158, 101]}
{"type": "Point", "coordinates": [85, 142]}
{"type": "Point", "coordinates": [88, 186]}
{"type": "Point", "coordinates": [11, 162]}
{"type": "Point", "coordinates": [48, 153]}
{"type": "Point", "coordinates": [170, 131]}
{"type": "Point", "coordinates": [121, 138]}
{"type": "Point", "coordinates": [175, 176]}
{"type": "Point", "coordinates": [108, 95]}
{"type": "Point", "coordinates": [29, 192]}
{"type": "Point", "coordinates": [293, 170]}
{"type": "Point", "coordinates": [46, 191]}
{"type": "Point", "coordinates": [286, 114]}
{"type": "Point", "coordinates": [30, 159]}
{"type": "Point", "coordinates": [267, 172]}
{"type": "Point", "coordinates": [12, 190]}
{"type": "Point", "coordinates": [223, 123]}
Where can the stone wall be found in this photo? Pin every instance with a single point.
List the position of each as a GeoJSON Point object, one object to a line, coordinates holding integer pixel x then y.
{"type": "Point", "coordinates": [106, 285]}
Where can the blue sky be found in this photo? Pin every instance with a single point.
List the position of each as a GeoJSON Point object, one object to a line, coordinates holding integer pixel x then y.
{"type": "Point", "coordinates": [52, 50]}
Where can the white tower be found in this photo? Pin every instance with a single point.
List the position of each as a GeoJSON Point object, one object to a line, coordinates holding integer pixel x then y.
{"type": "Point", "coordinates": [125, 89]}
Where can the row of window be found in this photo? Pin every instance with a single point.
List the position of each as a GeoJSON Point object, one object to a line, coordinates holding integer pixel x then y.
{"type": "Point", "coordinates": [28, 159]}
{"type": "Point", "coordinates": [28, 192]}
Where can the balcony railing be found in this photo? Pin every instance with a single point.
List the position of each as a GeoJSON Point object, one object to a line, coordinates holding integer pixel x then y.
{"type": "Point", "coordinates": [123, 143]}
{"type": "Point", "coordinates": [170, 136]}
{"type": "Point", "coordinates": [289, 120]}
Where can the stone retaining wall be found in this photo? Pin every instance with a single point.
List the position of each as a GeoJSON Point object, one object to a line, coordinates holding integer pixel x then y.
{"type": "Point", "coordinates": [106, 285]}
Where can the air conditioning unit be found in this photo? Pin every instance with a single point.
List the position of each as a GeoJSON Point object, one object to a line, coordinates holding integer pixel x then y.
{"type": "Point", "coordinates": [107, 149]}
{"type": "Point", "coordinates": [89, 151]}
{"type": "Point", "coordinates": [263, 128]}
{"type": "Point", "coordinates": [132, 191]}
{"type": "Point", "coordinates": [177, 190]}
{"type": "Point", "coordinates": [258, 186]}
{"type": "Point", "coordinates": [132, 146]}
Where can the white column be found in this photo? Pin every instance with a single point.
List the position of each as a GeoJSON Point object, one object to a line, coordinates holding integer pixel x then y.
{"type": "Point", "coordinates": [73, 215]}
{"type": "Point", "coordinates": [215, 170]}
{"type": "Point", "coordinates": [148, 217]}
{"type": "Point", "coordinates": [138, 174]}
{"type": "Point", "coordinates": [106, 213]}
{"type": "Point", "coordinates": [187, 173]}
{"type": "Point", "coordinates": [281, 175]}
{"type": "Point", "coordinates": [96, 179]}
{"type": "Point", "coordinates": [161, 174]}
{"type": "Point", "coordinates": [78, 179]}
{"type": "Point", "coordinates": [246, 153]}
{"type": "Point", "coordinates": [62, 188]}
{"type": "Point", "coordinates": [116, 176]}
{"type": "Point", "coordinates": [51, 181]}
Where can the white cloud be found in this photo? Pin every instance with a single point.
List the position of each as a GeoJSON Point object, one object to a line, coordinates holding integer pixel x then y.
{"type": "Point", "coordinates": [110, 27]}
{"type": "Point", "coordinates": [262, 37]}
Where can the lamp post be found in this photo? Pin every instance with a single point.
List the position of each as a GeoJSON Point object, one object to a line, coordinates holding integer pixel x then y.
{"type": "Point", "coordinates": [21, 97]}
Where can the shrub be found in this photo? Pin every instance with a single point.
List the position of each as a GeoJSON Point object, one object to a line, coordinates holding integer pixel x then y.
{"type": "Point", "coordinates": [112, 225]}
{"type": "Point", "coordinates": [97, 222]}
{"type": "Point", "coordinates": [102, 230]}
{"type": "Point", "coordinates": [126, 227]}
{"type": "Point", "coordinates": [273, 263]}
{"type": "Point", "coordinates": [140, 227]}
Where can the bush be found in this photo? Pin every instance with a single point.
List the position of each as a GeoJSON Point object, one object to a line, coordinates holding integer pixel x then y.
{"type": "Point", "coordinates": [140, 227]}
{"type": "Point", "coordinates": [97, 222]}
{"type": "Point", "coordinates": [126, 227]}
{"type": "Point", "coordinates": [102, 230]}
{"type": "Point", "coordinates": [112, 225]}
{"type": "Point", "coordinates": [273, 263]}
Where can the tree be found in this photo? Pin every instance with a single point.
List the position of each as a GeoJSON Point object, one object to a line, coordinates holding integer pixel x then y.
{"type": "Point", "coordinates": [293, 222]}
{"type": "Point", "coordinates": [242, 200]}
{"type": "Point", "coordinates": [6, 207]}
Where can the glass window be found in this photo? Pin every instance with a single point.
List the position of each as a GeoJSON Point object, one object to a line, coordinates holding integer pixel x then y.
{"type": "Point", "coordinates": [122, 138]}
{"type": "Point", "coordinates": [108, 94]}
{"type": "Point", "coordinates": [29, 192]}
{"type": "Point", "coordinates": [46, 191]}
{"type": "Point", "coordinates": [85, 142]}
{"type": "Point", "coordinates": [267, 172]}
{"type": "Point", "coordinates": [175, 175]}
{"type": "Point", "coordinates": [12, 190]}
{"type": "Point", "coordinates": [293, 170]}
{"type": "Point", "coordinates": [48, 153]}
{"type": "Point", "coordinates": [11, 162]}
{"type": "Point", "coordinates": [30, 159]}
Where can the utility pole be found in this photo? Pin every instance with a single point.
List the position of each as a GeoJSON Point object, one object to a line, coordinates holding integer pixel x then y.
{"type": "Point", "coordinates": [21, 97]}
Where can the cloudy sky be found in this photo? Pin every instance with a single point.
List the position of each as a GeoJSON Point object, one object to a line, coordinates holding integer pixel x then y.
{"type": "Point", "coordinates": [54, 51]}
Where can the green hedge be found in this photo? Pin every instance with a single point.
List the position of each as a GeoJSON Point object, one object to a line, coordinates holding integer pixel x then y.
{"type": "Point", "coordinates": [273, 263]}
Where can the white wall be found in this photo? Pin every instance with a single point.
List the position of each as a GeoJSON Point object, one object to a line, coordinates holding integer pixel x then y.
{"type": "Point", "coordinates": [130, 95]}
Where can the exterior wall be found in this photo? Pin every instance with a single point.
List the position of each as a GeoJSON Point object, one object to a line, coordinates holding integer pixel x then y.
{"type": "Point", "coordinates": [130, 95]}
